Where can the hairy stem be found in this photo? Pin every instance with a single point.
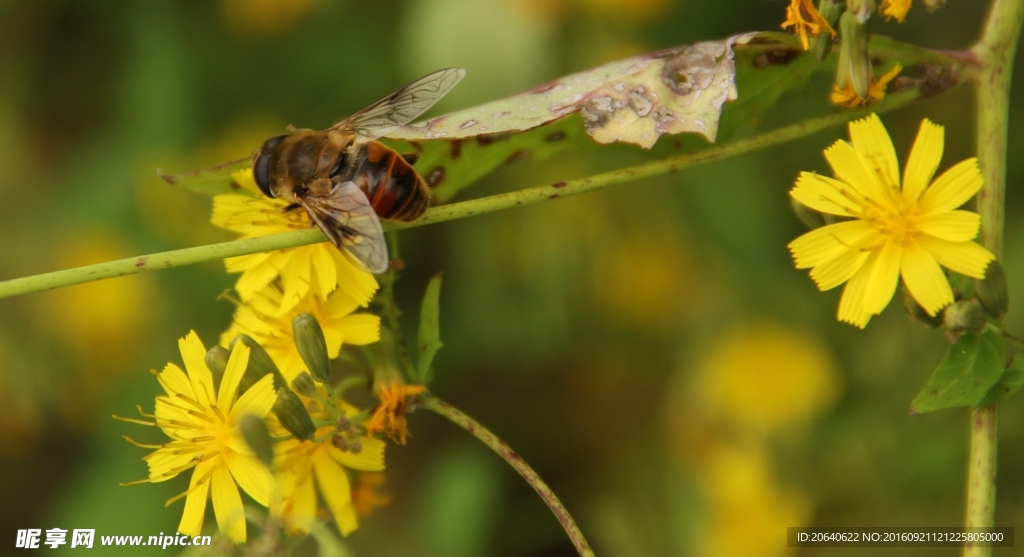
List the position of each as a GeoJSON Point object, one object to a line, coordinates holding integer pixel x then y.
{"type": "Point", "coordinates": [515, 461]}
{"type": "Point", "coordinates": [995, 52]}
{"type": "Point", "coordinates": [444, 213]}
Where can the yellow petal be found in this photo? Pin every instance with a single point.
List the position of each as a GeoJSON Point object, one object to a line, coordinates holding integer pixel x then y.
{"type": "Point", "coordinates": [164, 461]}
{"type": "Point", "coordinates": [302, 505]}
{"type": "Point", "coordinates": [252, 475]}
{"type": "Point", "coordinates": [924, 279]}
{"type": "Point", "coordinates": [324, 271]}
{"type": "Point", "coordinates": [360, 328]}
{"type": "Point", "coordinates": [194, 353]}
{"type": "Point", "coordinates": [924, 160]}
{"type": "Point", "coordinates": [836, 271]}
{"type": "Point", "coordinates": [828, 242]}
{"type": "Point", "coordinates": [227, 505]}
{"type": "Point", "coordinates": [824, 194]}
{"type": "Point", "coordinates": [296, 276]}
{"type": "Point", "coordinates": [370, 459]}
{"type": "Point", "coordinates": [334, 486]}
{"type": "Point", "coordinates": [966, 258]}
{"type": "Point", "coordinates": [955, 226]}
{"type": "Point", "coordinates": [257, 277]}
{"type": "Point", "coordinates": [875, 147]}
{"type": "Point", "coordinates": [195, 502]}
{"type": "Point", "coordinates": [233, 371]}
{"type": "Point", "coordinates": [258, 400]}
{"type": "Point", "coordinates": [851, 304]}
{"type": "Point", "coordinates": [885, 275]}
{"type": "Point", "coordinates": [849, 167]}
{"type": "Point", "coordinates": [356, 283]}
{"type": "Point", "coordinates": [954, 188]}
{"type": "Point", "coordinates": [174, 381]}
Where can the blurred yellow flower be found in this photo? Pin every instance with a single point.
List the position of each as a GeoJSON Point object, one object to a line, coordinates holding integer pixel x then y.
{"type": "Point", "coordinates": [876, 90]}
{"type": "Point", "coordinates": [748, 512]}
{"type": "Point", "coordinates": [368, 494]}
{"type": "Point", "coordinates": [765, 379]}
{"type": "Point", "coordinates": [203, 424]}
{"type": "Point", "coordinates": [264, 17]}
{"type": "Point", "coordinates": [895, 9]}
{"type": "Point", "coordinates": [805, 20]}
{"type": "Point", "coordinates": [895, 231]}
{"type": "Point", "coordinates": [259, 319]}
{"type": "Point", "coordinates": [302, 466]}
{"type": "Point", "coordinates": [389, 417]}
{"type": "Point", "coordinates": [317, 269]}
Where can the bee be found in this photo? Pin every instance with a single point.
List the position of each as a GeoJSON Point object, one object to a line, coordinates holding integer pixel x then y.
{"type": "Point", "coordinates": [344, 178]}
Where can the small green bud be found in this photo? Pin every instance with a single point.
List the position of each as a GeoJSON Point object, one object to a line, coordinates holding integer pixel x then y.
{"type": "Point", "coordinates": [217, 360]}
{"type": "Point", "coordinates": [254, 430]}
{"type": "Point", "coordinates": [992, 291]}
{"type": "Point", "coordinates": [260, 364]}
{"type": "Point", "coordinates": [822, 45]}
{"type": "Point", "coordinates": [917, 312]}
{"type": "Point", "coordinates": [304, 384]}
{"type": "Point", "coordinates": [309, 339]}
{"type": "Point", "coordinates": [964, 316]}
{"type": "Point", "coordinates": [854, 62]}
{"type": "Point", "coordinates": [293, 415]}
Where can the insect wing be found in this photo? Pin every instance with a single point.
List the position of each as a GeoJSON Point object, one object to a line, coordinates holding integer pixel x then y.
{"type": "Point", "coordinates": [210, 181]}
{"type": "Point", "coordinates": [402, 106]}
{"type": "Point", "coordinates": [348, 219]}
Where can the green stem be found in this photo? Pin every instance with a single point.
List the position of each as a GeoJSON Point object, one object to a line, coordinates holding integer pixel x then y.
{"type": "Point", "coordinates": [995, 52]}
{"type": "Point", "coordinates": [284, 240]}
{"type": "Point", "coordinates": [515, 461]}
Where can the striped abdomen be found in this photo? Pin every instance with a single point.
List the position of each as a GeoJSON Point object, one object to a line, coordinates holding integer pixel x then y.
{"type": "Point", "coordinates": [391, 184]}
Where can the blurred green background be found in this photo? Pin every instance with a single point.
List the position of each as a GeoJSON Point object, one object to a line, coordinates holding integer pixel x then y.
{"type": "Point", "coordinates": [649, 349]}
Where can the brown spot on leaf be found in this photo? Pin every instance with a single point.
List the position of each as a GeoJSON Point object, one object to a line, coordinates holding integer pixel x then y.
{"type": "Point", "coordinates": [141, 261]}
{"type": "Point", "coordinates": [553, 137]}
{"type": "Point", "coordinates": [235, 185]}
{"type": "Point", "coordinates": [543, 88]}
{"type": "Point", "coordinates": [435, 176]}
{"type": "Point", "coordinates": [558, 185]}
{"type": "Point", "coordinates": [456, 149]}
{"type": "Point", "coordinates": [485, 140]}
{"type": "Point", "coordinates": [516, 155]}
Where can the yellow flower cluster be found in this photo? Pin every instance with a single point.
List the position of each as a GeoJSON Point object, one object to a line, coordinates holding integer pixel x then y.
{"type": "Point", "coordinates": [310, 435]}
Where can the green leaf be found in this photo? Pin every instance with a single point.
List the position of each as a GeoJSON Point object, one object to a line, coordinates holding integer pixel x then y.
{"type": "Point", "coordinates": [1010, 382]}
{"type": "Point", "coordinates": [215, 180]}
{"type": "Point", "coordinates": [970, 368]}
{"type": "Point", "coordinates": [429, 338]}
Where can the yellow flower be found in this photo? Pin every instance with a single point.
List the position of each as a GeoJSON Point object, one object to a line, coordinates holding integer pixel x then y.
{"type": "Point", "coordinates": [302, 466]}
{"type": "Point", "coordinates": [764, 379]}
{"type": "Point", "coordinates": [805, 20]}
{"type": "Point", "coordinates": [895, 231]}
{"type": "Point", "coordinates": [848, 97]}
{"type": "Point", "coordinates": [318, 269]}
{"type": "Point", "coordinates": [259, 319]}
{"type": "Point", "coordinates": [895, 9]}
{"type": "Point", "coordinates": [389, 417]}
{"type": "Point", "coordinates": [203, 424]}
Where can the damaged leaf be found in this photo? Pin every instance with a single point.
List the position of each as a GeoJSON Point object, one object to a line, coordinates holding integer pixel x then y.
{"type": "Point", "coordinates": [635, 100]}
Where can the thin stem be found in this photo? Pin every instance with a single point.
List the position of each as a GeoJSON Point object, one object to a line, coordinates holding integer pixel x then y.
{"type": "Point", "coordinates": [515, 461]}
{"type": "Point", "coordinates": [995, 52]}
{"type": "Point", "coordinates": [285, 240]}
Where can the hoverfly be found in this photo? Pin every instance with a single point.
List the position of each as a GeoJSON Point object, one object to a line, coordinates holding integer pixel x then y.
{"type": "Point", "coordinates": [345, 179]}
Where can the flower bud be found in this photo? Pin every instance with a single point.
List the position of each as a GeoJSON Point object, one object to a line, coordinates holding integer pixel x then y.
{"type": "Point", "coordinates": [303, 384]}
{"type": "Point", "coordinates": [260, 364]}
{"type": "Point", "coordinates": [293, 415]}
{"type": "Point", "coordinates": [917, 312]}
{"type": "Point", "coordinates": [854, 62]}
{"type": "Point", "coordinates": [861, 8]}
{"type": "Point", "coordinates": [217, 360]}
{"type": "Point", "coordinates": [312, 346]}
{"type": "Point", "coordinates": [830, 11]}
{"type": "Point", "coordinates": [340, 442]}
{"type": "Point", "coordinates": [965, 315]}
{"type": "Point", "coordinates": [254, 430]}
{"type": "Point", "coordinates": [992, 291]}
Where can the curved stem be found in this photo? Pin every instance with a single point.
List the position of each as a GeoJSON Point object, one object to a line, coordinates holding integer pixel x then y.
{"type": "Point", "coordinates": [199, 254]}
{"type": "Point", "coordinates": [995, 52]}
{"type": "Point", "coordinates": [515, 461]}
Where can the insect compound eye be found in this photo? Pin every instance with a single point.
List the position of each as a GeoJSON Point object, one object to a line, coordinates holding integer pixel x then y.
{"type": "Point", "coordinates": [261, 169]}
